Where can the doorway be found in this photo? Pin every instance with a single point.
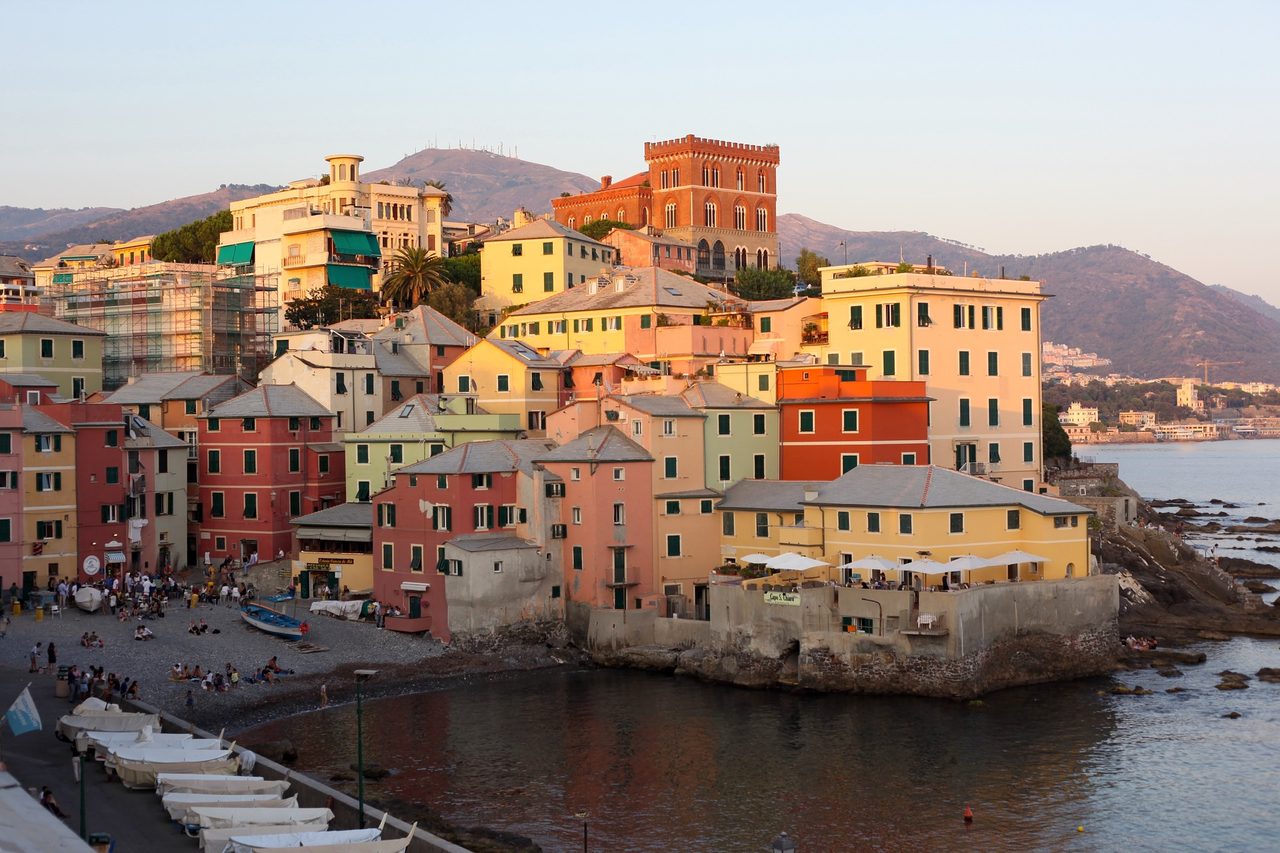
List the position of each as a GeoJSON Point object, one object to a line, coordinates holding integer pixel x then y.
{"type": "Point", "coordinates": [415, 606]}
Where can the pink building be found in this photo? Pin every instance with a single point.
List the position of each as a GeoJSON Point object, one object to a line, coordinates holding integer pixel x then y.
{"type": "Point", "coordinates": [10, 494]}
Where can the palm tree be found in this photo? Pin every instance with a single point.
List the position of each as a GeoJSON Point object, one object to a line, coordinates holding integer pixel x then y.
{"type": "Point", "coordinates": [446, 206]}
{"type": "Point", "coordinates": [415, 274]}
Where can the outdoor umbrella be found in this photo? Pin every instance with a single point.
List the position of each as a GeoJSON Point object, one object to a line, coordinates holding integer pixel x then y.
{"type": "Point", "coordinates": [925, 567]}
{"type": "Point", "coordinates": [968, 563]}
{"type": "Point", "coordinates": [870, 563]}
{"type": "Point", "coordinates": [793, 562]}
{"type": "Point", "coordinates": [756, 558]}
{"type": "Point", "coordinates": [1011, 557]}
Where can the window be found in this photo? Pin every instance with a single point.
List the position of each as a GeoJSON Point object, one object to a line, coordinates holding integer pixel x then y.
{"type": "Point", "coordinates": [217, 507]}
{"type": "Point", "coordinates": [362, 491]}
{"type": "Point", "coordinates": [415, 558]}
{"type": "Point", "coordinates": [1028, 451]}
{"type": "Point", "coordinates": [322, 463]}
{"type": "Point", "coordinates": [849, 420]}
{"type": "Point", "coordinates": [904, 523]}
{"type": "Point", "coordinates": [1028, 486]}
{"type": "Point", "coordinates": [922, 314]}
{"type": "Point", "coordinates": [619, 473]}
{"type": "Point", "coordinates": [725, 466]}
{"type": "Point", "coordinates": [964, 363]}
{"type": "Point", "coordinates": [249, 425]}
{"type": "Point", "coordinates": [722, 425]}
{"type": "Point", "coordinates": [548, 281]}
{"type": "Point", "coordinates": [619, 514]}
{"type": "Point", "coordinates": [670, 467]}
{"type": "Point", "coordinates": [739, 217]}
{"type": "Point", "coordinates": [993, 452]}
{"type": "Point", "coordinates": [669, 213]}
{"type": "Point", "coordinates": [113, 475]}
{"type": "Point", "coordinates": [251, 461]}
{"type": "Point", "coordinates": [646, 321]}
{"type": "Point", "coordinates": [548, 248]}
{"type": "Point", "coordinates": [957, 522]}
{"type": "Point", "coordinates": [758, 466]}
{"type": "Point", "coordinates": [705, 506]}
{"type": "Point", "coordinates": [575, 474]}
{"type": "Point", "coordinates": [668, 427]}
{"type": "Point", "coordinates": [215, 461]}
{"type": "Point", "coordinates": [762, 382]}
{"type": "Point", "coordinates": [46, 347]}
{"type": "Point", "coordinates": [806, 421]}
{"type": "Point", "coordinates": [315, 423]}
{"type": "Point", "coordinates": [1013, 519]}
{"type": "Point", "coordinates": [1026, 411]}
{"type": "Point", "coordinates": [362, 454]}
{"type": "Point", "coordinates": [386, 515]}
{"type": "Point", "coordinates": [848, 461]}
{"type": "Point", "coordinates": [340, 383]}
{"type": "Point", "coordinates": [442, 517]}
{"type": "Point", "coordinates": [993, 364]}
{"type": "Point", "coordinates": [497, 565]}
{"type": "Point", "coordinates": [908, 459]}
{"type": "Point", "coordinates": [727, 523]}
{"type": "Point", "coordinates": [1026, 364]}
{"type": "Point", "coordinates": [6, 442]}
{"type": "Point", "coordinates": [397, 454]}
{"type": "Point", "coordinates": [1026, 319]}
{"type": "Point", "coordinates": [888, 315]}
{"type": "Point", "coordinates": [673, 544]}
{"type": "Point", "coordinates": [482, 516]}
{"type": "Point", "coordinates": [890, 363]}
{"type": "Point", "coordinates": [517, 282]}
{"type": "Point", "coordinates": [442, 482]}
{"type": "Point", "coordinates": [112, 438]}
{"type": "Point", "coordinates": [842, 520]}
{"type": "Point", "coordinates": [1059, 521]}
{"type": "Point", "coordinates": [873, 522]}
{"type": "Point", "coordinates": [577, 557]}
{"type": "Point", "coordinates": [964, 412]}
{"type": "Point", "coordinates": [250, 505]}
{"type": "Point", "coordinates": [855, 317]}
{"type": "Point", "coordinates": [577, 515]}
{"type": "Point", "coordinates": [49, 482]}
{"type": "Point", "coordinates": [993, 412]}
{"type": "Point", "coordinates": [388, 556]}
{"type": "Point", "coordinates": [637, 428]}
{"type": "Point", "coordinates": [295, 504]}
{"type": "Point", "coordinates": [536, 381]}
{"type": "Point", "coordinates": [922, 359]}
{"type": "Point", "coordinates": [480, 482]}
{"type": "Point", "coordinates": [464, 384]}
{"type": "Point", "coordinates": [762, 525]}
{"type": "Point", "coordinates": [766, 325]}
{"type": "Point", "coordinates": [517, 249]}
{"type": "Point", "coordinates": [757, 424]}
{"type": "Point", "coordinates": [762, 219]}
{"type": "Point", "coordinates": [673, 508]}
{"type": "Point", "coordinates": [504, 383]}
{"type": "Point", "coordinates": [6, 530]}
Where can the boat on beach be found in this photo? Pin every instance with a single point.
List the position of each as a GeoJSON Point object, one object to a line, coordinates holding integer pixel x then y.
{"type": "Point", "coordinates": [88, 598]}
{"type": "Point", "coordinates": [272, 621]}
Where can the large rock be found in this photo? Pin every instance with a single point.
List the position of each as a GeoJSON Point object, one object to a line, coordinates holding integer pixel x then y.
{"type": "Point", "coordinates": [282, 751]}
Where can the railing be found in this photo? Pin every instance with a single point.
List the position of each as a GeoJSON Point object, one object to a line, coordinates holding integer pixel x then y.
{"type": "Point", "coordinates": [814, 337]}
{"type": "Point", "coordinates": [295, 261]}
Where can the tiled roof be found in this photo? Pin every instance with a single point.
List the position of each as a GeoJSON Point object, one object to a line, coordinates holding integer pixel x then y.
{"type": "Point", "coordinates": [11, 266]}
{"type": "Point", "coordinates": [390, 363]}
{"type": "Point", "coordinates": [483, 457]}
{"type": "Point", "coordinates": [13, 322]}
{"type": "Point", "coordinates": [479, 542]}
{"type": "Point", "coordinates": [658, 405]}
{"type": "Point", "coordinates": [270, 401]}
{"type": "Point", "coordinates": [27, 380]}
{"type": "Point", "coordinates": [342, 515]}
{"type": "Point", "coordinates": [635, 180]}
{"type": "Point", "coordinates": [80, 250]}
{"type": "Point", "coordinates": [180, 385]}
{"type": "Point", "coordinates": [766, 495]}
{"type": "Point", "coordinates": [714, 395]}
{"type": "Point", "coordinates": [929, 487]}
{"type": "Point", "coordinates": [142, 433]}
{"type": "Point", "coordinates": [524, 352]}
{"type": "Point", "coordinates": [639, 287]}
{"type": "Point", "coordinates": [416, 414]}
{"type": "Point", "coordinates": [658, 239]}
{"type": "Point", "coordinates": [541, 229]}
{"type": "Point", "coordinates": [598, 444]}
{"type": "Point", "coordinates": [426, 325]}
{"type": "Point", "coordinates": [36, 421]}
{"type": "Point", "coordinates": [690, 493]}
{"type": "Point", "coordinates": [779, 304]}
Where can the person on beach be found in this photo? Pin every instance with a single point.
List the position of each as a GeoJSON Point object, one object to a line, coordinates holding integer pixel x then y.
{"type": "Point", "coordinates": [47, 800]}
{"type": "Point", "coordinates": [191, 699]}
{"type": "Point", "coordinates": [52, 653]}
{"type": "Point", "coordinates": [324, 696]}
{"type": "Point", "coordinates": [35, 658]}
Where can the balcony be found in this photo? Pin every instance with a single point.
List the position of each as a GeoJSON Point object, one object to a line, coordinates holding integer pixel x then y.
{"type": "Point", "coordinates": [408, 624]}
{"type": "Point", "coordinates": [791, 537]}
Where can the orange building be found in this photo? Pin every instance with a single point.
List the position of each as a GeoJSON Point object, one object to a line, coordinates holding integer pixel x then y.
{"type": "Point", "coordinates": [834, 419]}
{"type": "Point", "coordinates": [721, 197]}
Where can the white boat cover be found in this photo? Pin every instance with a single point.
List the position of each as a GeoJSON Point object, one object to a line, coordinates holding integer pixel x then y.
{"type": "Point", "coordinates": [88, 599]}
{"type": "Point", "coordinates": [168, 778]}
{"type": "Point", "coordinates": [93, 705]}
{"type": "Point", "coordinates": [172, 754]}
{"type": "Point", "coordinates": [275, 841]}
{"type": "Point", "coordinates": [213, 817]}
{"type": "Point", "coordinates": [103, 741]}
{"type": "Point", "coordinates": [142, 774]}
{"type": "Point", "coordinates": [345, 609]}
{"type": "Point", "coordinates": [246, 785]}
{"type": "Point", "coordinates": [72, 724]}
{"type": "Point", "coordinates": [179, 805]}
{"type": "Point", "coordinates": [213, 840]}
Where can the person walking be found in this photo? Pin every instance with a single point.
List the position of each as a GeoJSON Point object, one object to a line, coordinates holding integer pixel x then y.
{"type": "Point", "coordinates": [324, 696]}
{"type": "Point", "coordinates": [52, 653]}
{"type": "Point", "coordinates": [35, 658]}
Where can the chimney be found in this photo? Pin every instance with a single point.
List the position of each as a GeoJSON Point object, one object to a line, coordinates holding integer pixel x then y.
{"type": "Point", "coordinates": [606, 181]}
{"type": "Point", "coordinates": [929, 265]}
{"type": "Point", "coordinates": [1002, 271]}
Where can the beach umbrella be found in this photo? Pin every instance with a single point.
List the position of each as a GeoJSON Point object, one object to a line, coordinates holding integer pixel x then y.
{"type": "Point", "coordinates": [793, 562]}
{"type": "Point", "coordinates": [924, 567]}
{"type": "Point", "coordinates": [1010, 557]}
{"type": "Point", "coordinates": [756, 558]}
{"type": "Point", "coordinates": [871, 562]}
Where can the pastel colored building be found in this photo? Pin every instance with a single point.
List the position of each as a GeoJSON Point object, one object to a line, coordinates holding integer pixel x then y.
{"type": "Point", "coordinates": [586, 376]}
{"type": "Point", "coordinates": [608, 553]}
{"type": "Point", "coordinates": [156, 464]}
{"type": "Point", "coordinates": [509, 377]}
{"type": "Point", "coordinates": [974, 342]}
{"type": "Point", "coordinates": [833, 419]}
{"type": "Point", "coordinates": [128, 253]}
{"type": "Point", "coordinates": [335, 548]}
{"type": "Point", "coordinates": [49, 500]}
{"type": "Point", "coordinates": [719, 196]}
{"type": "Point", "coordinates": [787, 328]}
{"type": "Point", "coordinates": [415, 429]}
{"type": "Point", "coordinates": [537, 260]}
{"type": "Point", "coordinates": [17, 285]}
{"type": "Point", "coordinates": [645, 247]}
{"type": "Point", "coordinates": [346, 382]}
{"type": "Point", "coordinates": [428, 340]}
{"type": "Point", "coordinates": [741, 434]}
{"type": "Point", "coordinates": [268, 456]}
{"type": "Point", "coordinates": [339, 230]}
{"type": "Point", "coordinates": [765, 517]}
{"type": "Point", "coordinates": [61, 352]}
{"type": "Point", "coordinates": [58, 268]}
{"type": "Point", "coordinates": [12, 449]}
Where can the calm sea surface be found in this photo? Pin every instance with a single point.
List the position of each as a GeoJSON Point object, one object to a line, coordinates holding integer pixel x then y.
{"type": "Point", "coordinates": [664, 763]}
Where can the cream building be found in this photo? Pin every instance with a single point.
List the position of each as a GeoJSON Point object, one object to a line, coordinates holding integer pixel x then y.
{"type": "Point", "coordinates": [1078, 415]}
{"type": "Point", "coordinates": [336, 229]}
{"type": "Point", "coordinates": [974, 341]}
{"type": "Point", "coordinates": [535, 261]}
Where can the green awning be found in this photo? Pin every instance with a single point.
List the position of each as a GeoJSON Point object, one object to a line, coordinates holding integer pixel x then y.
{"type": "Point", "coordinates": [355, 243]}
{"type": "Point", "coordinates": [236, 254]}
{"type": "Point", "coordinates": [63, 277]}
{"type": "Point", "coordinates": [352, 278]}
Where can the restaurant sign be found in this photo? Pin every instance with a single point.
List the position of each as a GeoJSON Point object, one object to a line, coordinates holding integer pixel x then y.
{"type": "Point", "coordinates": [791, 598]}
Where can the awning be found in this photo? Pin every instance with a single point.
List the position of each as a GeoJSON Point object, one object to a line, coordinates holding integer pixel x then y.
{"type": "Point", "coordinates": [115, 556]}
{"type": "Point", "coordinates": [352, 278]}
{"type": "Point", "coordinates": [236, 254]}
{"type": "Point", "coordinates": [640, 369]}
{"type": "Point", "coordinates": [335, 534]}
{"type": "Point", "coordinates": [63, 277]}
{"type": "Point", "coordinates": [355, 243]}
{"type": "Point", "coordinates": [765, 346]}
{"type": "Point", "coordinates": [413, 586]}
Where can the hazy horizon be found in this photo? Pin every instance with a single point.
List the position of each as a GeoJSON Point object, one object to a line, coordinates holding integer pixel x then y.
{"type": "Point", "coordinates": [1016, 129]}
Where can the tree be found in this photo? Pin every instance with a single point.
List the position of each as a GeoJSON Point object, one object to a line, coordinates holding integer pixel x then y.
{"type": "Point", "coordinates": [193, 243]}
{"type": "Point", "coordinates": [596, 230]}
{"type": "Point", "coordinates": [464, 269]}
{"type": "Point", "coordinates": [454, 301]}
{"type": "Point", "coordinates": [446, 206]}
{"type": "Point", "coordinates": [331, 304]}
{"type": "Point", "coordinates": [414, 275]}
{"type": "Point", "coordinates": [903, 266]}
{"type": "Point", "coordinates": [754, 284]}
{"type": "Point", "coordinates": [1057, 445]}
{"type": "Point", "coordinates": [807, 264]}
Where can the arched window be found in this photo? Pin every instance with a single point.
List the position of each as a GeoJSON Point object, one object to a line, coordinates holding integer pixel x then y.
{"type": "Point", "coordinates": [644, 216]}
{"type": "Point", "coordinates": [586, 220]}
{"type": "Point", "coordinates": [762, 182]}
{"type": "Point", "coordinates": [709, 214]}
{"type": "Point", "coordinates": [706, 175]}
{"type": "Point", "coordinates": [573, 221]}
{"type": "Point", "coordinates": [342, 171]}
{"type": "Point", "coordinates": [762, 219]}
{"type": "Point", "coordinates": [762, 258]}
{"type": "Point", "coordinates": [717, 256]}
{"type": "Point", "coordinates": [704, 254]}
{"type": "Point", "coordinates": [715, 176]}
{"type": "Point", "coordinates": [739, 217]}
{"type": "Point", "coordinates": [670, 214]}
{"type": "Point", "coordinates": [622, 216]}
{"type": "Point", "coordinates": [740, 182]}
{"type": "Point", "coordinates": [740, 258]}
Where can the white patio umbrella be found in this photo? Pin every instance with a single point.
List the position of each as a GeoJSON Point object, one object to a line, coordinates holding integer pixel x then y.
{"type": "Point", "coordinates": [793, 562]}
{"type": "Point", "coordinates": [924, 567]}
{"type": "Point", "coordinates": [1011, 557]}
{"type": "Point", "coordinates": [968, 563]}
{"type": "Point", "coordinates": [756, 558]}
{"type": "Point", "coordinates": [871, 562]}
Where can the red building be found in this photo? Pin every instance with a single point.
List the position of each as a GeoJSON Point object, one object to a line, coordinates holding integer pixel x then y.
{"type": "Point", "coordinates": [472, 488]}
{"type": "Point", "coordinates": [833, 419]}
{"type": "Point", "coordinates": [720, 197]}
{"type": "Point", "coordinates": [267, 456]}
{"type": "Point", "coordinates": [413, 350]}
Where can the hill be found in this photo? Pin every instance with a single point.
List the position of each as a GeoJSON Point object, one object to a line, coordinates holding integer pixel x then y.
{"type": "Point", "coordinates": [1257, 303]}
{"type": "Point", "coordinates": [485, 186]}
{"type": "Point", "coordinates": [1148, 318]}
{"type": "Point", "coordinates": [22, 223]}
{"type": "Point", "coordinates": [123, 224]}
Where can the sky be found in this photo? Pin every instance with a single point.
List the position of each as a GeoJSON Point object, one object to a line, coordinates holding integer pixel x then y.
{"type": "Point", "coordinates": [1015, 127]}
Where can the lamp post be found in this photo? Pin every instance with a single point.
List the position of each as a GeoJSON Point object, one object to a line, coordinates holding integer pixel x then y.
{"type": "Point", "coordinates": [842, 244]}
{"type": "Point", "coordinates": [84, 824]}
{"type": "Point", "coordinates": [582, 816]}
{"type": "Point", "coordinates": [362, 675]}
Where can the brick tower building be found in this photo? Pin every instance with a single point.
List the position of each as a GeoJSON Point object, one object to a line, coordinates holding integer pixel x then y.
{"type": "Point", "coordinates": [719, 196]}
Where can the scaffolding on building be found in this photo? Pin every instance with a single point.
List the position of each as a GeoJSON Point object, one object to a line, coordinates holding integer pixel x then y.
{"type": "Point", "coordinates": [163, 317]}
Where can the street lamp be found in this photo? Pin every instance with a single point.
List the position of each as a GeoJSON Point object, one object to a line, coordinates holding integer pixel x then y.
{"type": "Point", "coordinates": [842, 244]}
{"type": "Point", "coordinates": [783, 844]}
{"type": "Point", "coordinates": [362, 675]}
{"type": "Point", "coordinates": [582, 816]}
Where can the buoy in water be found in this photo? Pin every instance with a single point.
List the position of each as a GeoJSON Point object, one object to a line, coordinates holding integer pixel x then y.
{"type": "Point", "coordinates": [968, 815]}
{"type": "Point", "coordinates": [1080, 828]}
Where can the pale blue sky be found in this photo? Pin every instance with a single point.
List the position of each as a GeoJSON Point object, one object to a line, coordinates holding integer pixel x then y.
{"type": "Point", "coordinates": [1016, 127]}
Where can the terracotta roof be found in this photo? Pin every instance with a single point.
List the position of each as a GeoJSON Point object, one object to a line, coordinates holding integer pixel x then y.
{"type": "Point", "coordinates": [635, 180]}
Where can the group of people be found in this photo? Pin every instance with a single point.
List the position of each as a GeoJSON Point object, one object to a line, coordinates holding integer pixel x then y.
{"type": "Point", "coordinates": [142, 632]}
{"type": "Point", "coordinates": [91, 640]}
{"type": "Point", "coordinates": [198, 628]}
{"type": "Point", "coordinates": [210, 680]}
{"type": "Point", "coordinates": [50, 654]}
{"type": "Point", "coordinates": [1140, 644]}
{"type": "Point", "coordinates": [95, 681]}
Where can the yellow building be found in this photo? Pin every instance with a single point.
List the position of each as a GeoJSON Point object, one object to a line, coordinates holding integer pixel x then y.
{"type": "Point", "coordinates": [337, 229]}
{"type": "Point", "coordinates": [57, 269]}
{"type": "Point", "coordinates": [126, 253]}
{"type": "Point", "coordinates": [910, 513]}
{"type": "Point", "coordinates": [52, 349]}
{"type": "Point", "coordinates": [974, 341]}
{"type": "Point", "coordinates": [335, 547]}
{"type": "Point", "coordinates": [48, 499]}
{"type": "Point", "coordinates": [508, 377]}
{"type": "Point", "coordinates": [535, 261]}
